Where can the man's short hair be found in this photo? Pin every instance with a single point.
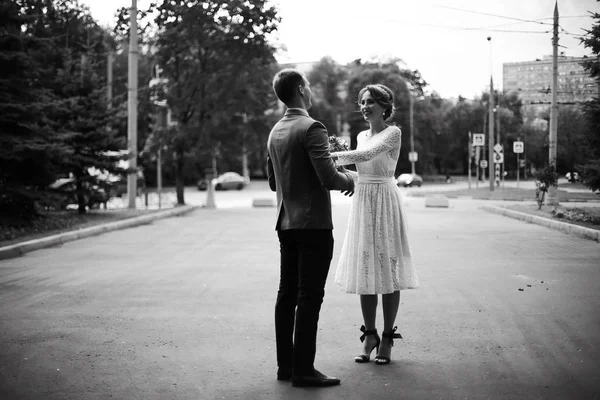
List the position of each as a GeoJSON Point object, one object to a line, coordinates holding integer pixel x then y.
{"type": "Point", "coordinates": [286, 82]}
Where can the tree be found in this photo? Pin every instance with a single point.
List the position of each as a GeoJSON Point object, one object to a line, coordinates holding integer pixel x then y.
{"type": "Point", "coordinates": [27, 150]}
{"type": "Point", "coordinates": [430, 123]}
{"type": "Point", "coordinates": [573, 130]}
{"type": "Point", "coordinates": [591, 169]}
{"type": "Point", "coordinates": [202, 47]}
{"type": "Point", "coordinates": [84, 123]}
{"type": "Point", "coordinates": [328, 80]}
{"type": "Point", "coordinates": [390, 74]}
{"type": "Point", "coordinates": [82, 116]}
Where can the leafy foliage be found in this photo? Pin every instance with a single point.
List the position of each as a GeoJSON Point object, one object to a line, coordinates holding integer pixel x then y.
{"type": "Point", "coordinates": [54, 111]}
{"type": "Point", "coordinates": [28, 153]}
{"type": "Point", "coordinates": [209, 52]}
{"type": "Point", "coordinates": [548, 177]}
{"type": "Point", "coordinates": [576, 214]}
{"type": "Point", "coordinates": [591, 170]}
{"type": "Point", "coordinates": [328, 80]}
{"type": "Point", "coordinates": [388, 73]}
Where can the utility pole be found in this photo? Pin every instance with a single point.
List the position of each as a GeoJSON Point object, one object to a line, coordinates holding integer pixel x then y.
{"type": "Point", "coordinates": [491, 124]}
{"type": "Point", "coordinates": [245, 170]}
{"type": "Point", "coordinates": [412, 132]}
{"type": "Point", "coordinates": [132, 100]}
{"type": "Point", "coordinates": [498, 139]}
{"type": "Point", "coordinates": [552, 198]}
{"type": "Point", "coordinates": [491, 136]}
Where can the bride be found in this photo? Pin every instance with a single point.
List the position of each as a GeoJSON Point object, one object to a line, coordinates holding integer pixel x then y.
{"type": "Point", "coordinates": [375, 257]}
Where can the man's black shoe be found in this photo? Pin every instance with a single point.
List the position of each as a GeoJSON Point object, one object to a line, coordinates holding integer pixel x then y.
{"type": "Point", "coordinates": [284, 374]}
{"type": "Point", "coordinates": [316, 379]}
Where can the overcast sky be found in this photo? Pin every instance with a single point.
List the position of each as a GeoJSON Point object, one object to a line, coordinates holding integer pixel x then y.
{"type": "Point", "coordinates": [446, 40]}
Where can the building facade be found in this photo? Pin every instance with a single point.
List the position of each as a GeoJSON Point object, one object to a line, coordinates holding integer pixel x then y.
{"type": "Point", "coordinates": [532, 80]}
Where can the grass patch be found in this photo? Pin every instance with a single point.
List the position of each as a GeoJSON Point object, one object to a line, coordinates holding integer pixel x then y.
{"type": "Point", "coordinates": [483, 193]}
{"type": "Point", "coordinates": [588, 217]}
{"type": "Point", "coordinates": [51, 223]}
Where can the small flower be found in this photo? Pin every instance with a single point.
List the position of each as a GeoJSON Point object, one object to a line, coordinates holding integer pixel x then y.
{"type": "Point", "coordinates": [337, 144]}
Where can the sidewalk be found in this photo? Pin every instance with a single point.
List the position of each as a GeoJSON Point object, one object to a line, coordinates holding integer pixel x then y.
{"type": "Point", "coordinates": [183, 309]}
{"type": "Point", "coordinates": [21, 248]}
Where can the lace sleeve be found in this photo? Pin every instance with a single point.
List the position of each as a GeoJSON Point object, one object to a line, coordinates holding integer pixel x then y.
{"type": "Point", "coordinates": [388, 139]}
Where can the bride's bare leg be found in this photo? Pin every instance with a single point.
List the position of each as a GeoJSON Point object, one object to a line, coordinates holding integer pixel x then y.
{"type": "Point", "coordinates": [368, 305]}
{"type": "Point", "coordinates": [391, 303]}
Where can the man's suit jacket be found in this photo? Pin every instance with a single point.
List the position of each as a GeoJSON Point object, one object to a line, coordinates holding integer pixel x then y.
{"type": "Point", "coordinates": [301, 171]}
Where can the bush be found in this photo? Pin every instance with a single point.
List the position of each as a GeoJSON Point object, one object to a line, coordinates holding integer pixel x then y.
{"type": "Point", "coordinates": [16, 208]}
{"type": "Point", "coordinates": [548, 177]}
{"type": "Point", "coordinates": [591, 175]}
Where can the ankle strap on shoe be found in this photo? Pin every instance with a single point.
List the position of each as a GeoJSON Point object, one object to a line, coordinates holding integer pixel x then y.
{"type": "Point", "coordinates": [392, 335]}
{"type": "Point", "coordinates": [367, 333]}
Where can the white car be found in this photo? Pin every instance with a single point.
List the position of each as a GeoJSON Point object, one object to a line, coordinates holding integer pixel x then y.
{"type": "Point", "coordinates": [407, 180]}
{"type": "Point", "coordinates": [229, 180]}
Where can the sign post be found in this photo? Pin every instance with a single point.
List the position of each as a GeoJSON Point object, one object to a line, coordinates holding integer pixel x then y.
{"type": "Point", "coordinates": [470, 157]}
{"type": "Point", "coordinates": [518, 148]}
{"type": "Point", "coordinates": [478, 143]}
{"type": "Point", "coordinates": [498, 159]}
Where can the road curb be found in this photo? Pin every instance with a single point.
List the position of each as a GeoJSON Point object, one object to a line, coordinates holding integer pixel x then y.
{"type": "Point", "coordinates": [20, 249]}
{"type": "Point", "coordinates": [565, 227]}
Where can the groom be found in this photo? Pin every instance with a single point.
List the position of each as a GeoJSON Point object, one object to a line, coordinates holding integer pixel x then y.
{"type": "Point", "coordinates": [301, 171]}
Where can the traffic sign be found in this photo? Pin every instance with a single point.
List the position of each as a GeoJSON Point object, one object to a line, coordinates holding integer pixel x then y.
{"type": "Point", "coordinates": [483, 163]}
{"type": "Point", "coordinates": [498, 148]}
{"type": "Point", "coordinates": [413, 156]}
{"type": "Point", "coordinates": [518, 147]}
{"type": "Point", "coordinates": [498, 158]}
{"type": "Point", "coordinates": [478, 139]}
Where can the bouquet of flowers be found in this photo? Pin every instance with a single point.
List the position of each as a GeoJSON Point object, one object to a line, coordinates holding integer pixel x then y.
{"type": "Point", "coordinates": [337, 144]}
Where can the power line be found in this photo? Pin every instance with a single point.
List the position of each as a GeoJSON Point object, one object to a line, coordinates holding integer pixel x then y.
{"type": "Point", "coordinates": [509, 24]}
{"type": "Point", "coordinates": [462, 28]}
{"type": "Point", "coordinates": [492, 15]}
{"type": "Point", "coordinates": [537, 20]}
{"type": "Point", "coordinates": [563, 30]}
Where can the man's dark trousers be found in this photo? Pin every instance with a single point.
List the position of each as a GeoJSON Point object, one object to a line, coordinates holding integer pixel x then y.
{"type": "Point", "coordinates": [305, 259]}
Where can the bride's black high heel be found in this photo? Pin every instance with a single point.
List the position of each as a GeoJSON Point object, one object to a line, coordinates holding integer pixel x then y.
{"type": "Point", "coordinates": [364, 358]}
{"type": "Point", "coordinates": [382, 360]}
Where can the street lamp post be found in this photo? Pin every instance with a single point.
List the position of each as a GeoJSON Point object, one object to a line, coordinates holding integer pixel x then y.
{"type": "Point", "coordinates": [412, 133]}
{"type": "Point", "coordinates": [491, 124]}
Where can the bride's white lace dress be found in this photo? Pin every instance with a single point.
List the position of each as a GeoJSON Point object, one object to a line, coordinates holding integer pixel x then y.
{"type": "Point", "coordinates": [375, 256]}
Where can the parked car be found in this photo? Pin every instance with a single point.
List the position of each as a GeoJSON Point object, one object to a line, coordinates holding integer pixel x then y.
{"type": "Point", "coordinates": [226, 181]}
{"type": "Point", "coordinates": [409, 180]}
{"type": "Point", "coordinates": [94, 195]}
{"type": "Point", "coordinates": [202, 184]}
{"type": "Point", "coordinates": [572, 177]}
{"type": "Point", "coordinates": [118, 187]}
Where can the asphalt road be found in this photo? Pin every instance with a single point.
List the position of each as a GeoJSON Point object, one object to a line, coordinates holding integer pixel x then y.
{"type": "Point", "coordinates": [183, 309]}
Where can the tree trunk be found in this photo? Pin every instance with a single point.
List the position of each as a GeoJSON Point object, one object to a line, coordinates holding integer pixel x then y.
{"type": "Point", "coordinates": [179, 183]}
{"type": "Point", "coordinates": [81, 197]}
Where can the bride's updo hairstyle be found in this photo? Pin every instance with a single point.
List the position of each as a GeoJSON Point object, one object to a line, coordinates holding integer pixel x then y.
{"type": "Point", "coordinates": [383, 96]}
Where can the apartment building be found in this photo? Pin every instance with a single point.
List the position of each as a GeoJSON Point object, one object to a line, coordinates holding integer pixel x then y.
{"type": "Point", "coordinates": [532, 80]}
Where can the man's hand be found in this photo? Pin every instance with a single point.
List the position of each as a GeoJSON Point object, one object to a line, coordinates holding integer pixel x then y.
{"type": "Point", "coordinates": [349, 191]}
